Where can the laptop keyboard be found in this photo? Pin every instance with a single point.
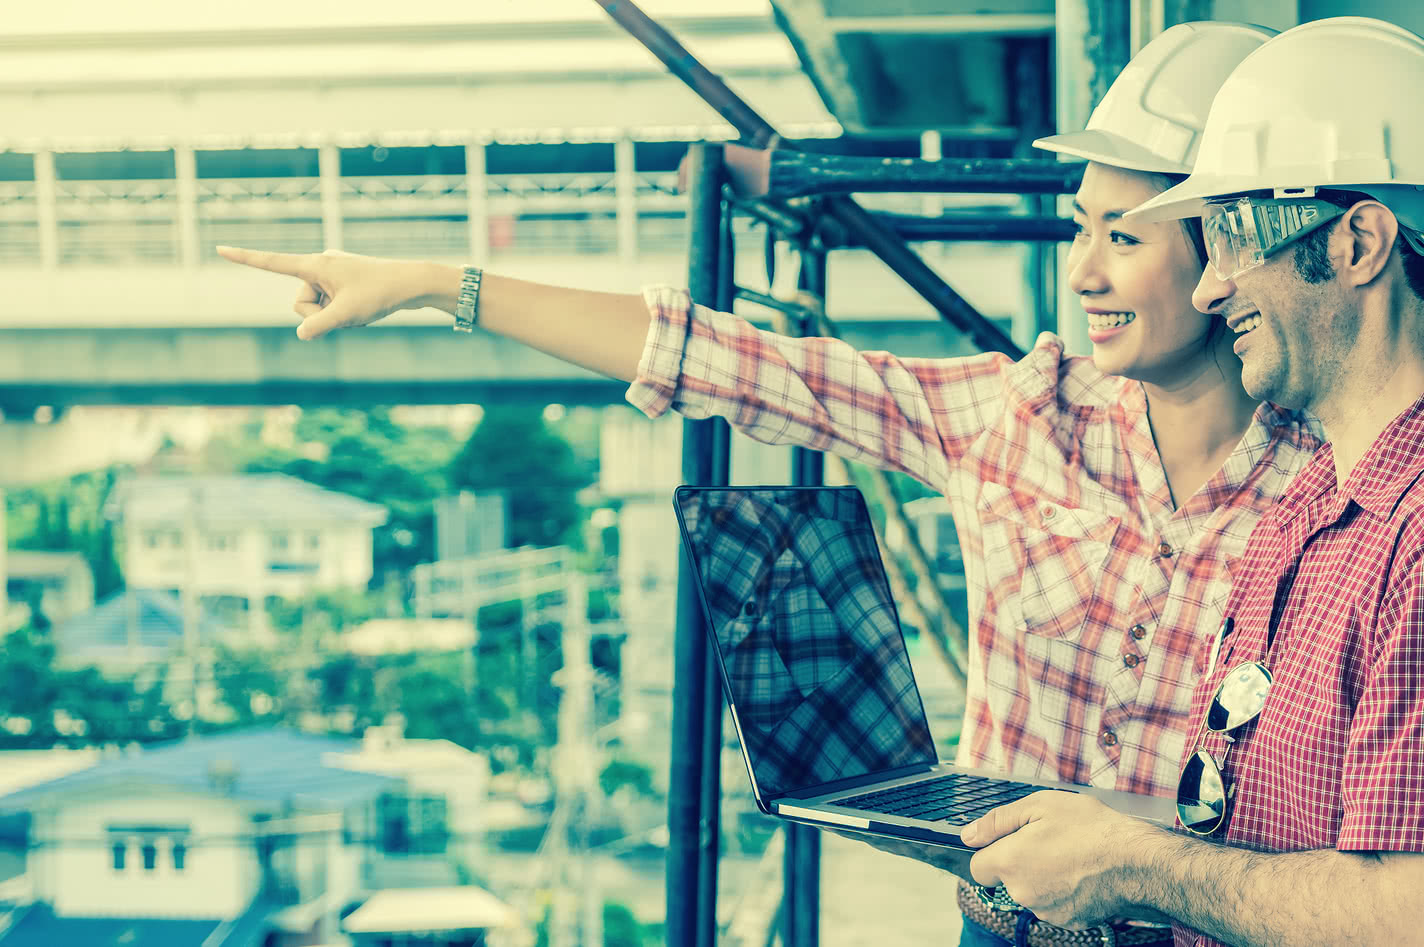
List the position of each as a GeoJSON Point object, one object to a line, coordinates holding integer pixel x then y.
{"type": "Point", "coordinates": [955, 797]}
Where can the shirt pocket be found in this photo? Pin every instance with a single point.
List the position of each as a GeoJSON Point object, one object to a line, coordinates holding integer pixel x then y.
{"type": "Point", "coordinates": [1043, 560]}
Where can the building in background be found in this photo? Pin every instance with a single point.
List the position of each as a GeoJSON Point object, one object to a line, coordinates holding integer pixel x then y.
{"type": "Point", "coordinates": [256, 839]}
{"type": "Point", "coordinates": [57, 584]}
{"type": "Point", "coordinates": [243, 537]}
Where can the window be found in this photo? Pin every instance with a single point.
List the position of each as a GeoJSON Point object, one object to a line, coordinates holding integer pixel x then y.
{"type": "Point", "coordinates": [150, 538]}
{"type": "Point", "coordinates": [279, 540]}
{"type": "Point", "coordinates": [150, 856]}
{"type": "Point", "coordinates": [180, 855]}
{"type": "Point", "coordinates": [313, 541]}
{"type": "Point", "coordinates": [222, 542]}
{"type": "Point", "coordinates": [412, 825]}
{"type": "Point", "coordinates": [120, 852]}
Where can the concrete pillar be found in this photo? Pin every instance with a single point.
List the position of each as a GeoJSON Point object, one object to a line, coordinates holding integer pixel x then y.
{"type": "Point", "coordinates": [47, 208]}
{"type": "Point", "coordinates": [185, 166]}
{"type": "Point", "coordinates": [329, 165]}
{"type": "Point", "coordinates": [477, 202]}
{"type": "Point", "coordinates": [625, 186]}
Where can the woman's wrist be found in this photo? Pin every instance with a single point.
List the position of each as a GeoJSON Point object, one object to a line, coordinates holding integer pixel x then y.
{"type": "Point", "coordinates": [434, 285]}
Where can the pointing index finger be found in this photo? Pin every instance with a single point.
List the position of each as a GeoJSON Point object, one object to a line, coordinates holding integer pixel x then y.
{"type": "Point", "coordinates": [289, 264]}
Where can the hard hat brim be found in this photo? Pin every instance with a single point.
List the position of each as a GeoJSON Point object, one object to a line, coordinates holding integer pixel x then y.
{"type": "Point", "coordinates": [1115, 150]}
{"type": "Point", "coordinates": [1188, 198]}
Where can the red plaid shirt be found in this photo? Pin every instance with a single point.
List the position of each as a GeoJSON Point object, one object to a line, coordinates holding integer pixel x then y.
{"type": "Point", "coordinates": [1088, 594]}
{"type": "Point", "coordinates": [1334, 578]}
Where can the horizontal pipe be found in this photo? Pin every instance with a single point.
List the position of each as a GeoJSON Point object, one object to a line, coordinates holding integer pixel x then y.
{"type": "Point", "coordinates": [799, 174]}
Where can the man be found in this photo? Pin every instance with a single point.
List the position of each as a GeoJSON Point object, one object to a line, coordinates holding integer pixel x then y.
{"type": "Point", "coordinates": [1305, 782]}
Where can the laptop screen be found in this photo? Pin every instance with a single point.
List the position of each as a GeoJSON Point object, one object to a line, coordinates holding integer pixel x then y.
{"type": "Point", "coordinates": [807, 633]}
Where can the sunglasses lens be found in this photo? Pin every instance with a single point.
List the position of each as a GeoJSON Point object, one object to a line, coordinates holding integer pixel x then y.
{"type": "Point", "coordinates": [1240, 697]}
{"type": "Point", "coordinates": [1201, 798]}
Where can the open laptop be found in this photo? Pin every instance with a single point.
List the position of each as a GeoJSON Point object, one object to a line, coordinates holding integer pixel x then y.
{"type": "Point", "coordinates": [816, 672]}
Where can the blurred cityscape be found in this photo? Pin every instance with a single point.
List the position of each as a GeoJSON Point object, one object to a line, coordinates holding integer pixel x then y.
{"type": "Point", "coordinates": [369, 641]}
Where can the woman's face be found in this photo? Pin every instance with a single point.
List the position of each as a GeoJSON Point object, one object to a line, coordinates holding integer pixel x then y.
{"type": "Point", "coordinates": [1135, 281]}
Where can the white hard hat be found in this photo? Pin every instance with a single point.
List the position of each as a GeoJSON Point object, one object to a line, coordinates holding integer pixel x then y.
{"type": "Point", "coordinates": [1152, 117]}
{"type": "Point", "coordinates": [1330, 103]}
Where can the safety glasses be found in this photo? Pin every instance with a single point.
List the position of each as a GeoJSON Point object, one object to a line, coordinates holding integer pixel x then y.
{"type": "Point", "coordinates": [1241, 233]}
{"type": "Point", "coordinates": [1202, 795]}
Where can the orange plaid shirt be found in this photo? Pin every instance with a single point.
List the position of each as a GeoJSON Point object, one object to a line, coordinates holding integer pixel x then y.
{"type": "Point", "coordinates": [1091, 600]}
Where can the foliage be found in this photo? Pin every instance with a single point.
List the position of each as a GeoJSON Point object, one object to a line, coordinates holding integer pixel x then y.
{"type": "Point", "coordinates": [622, 772]}
{"type": "Point", "coordinates": [365, 454]}
{"type": "Point", "coordinates": [513, 449]}
{"type": "Point", "coordinates": [73, 707]}
{"type": "Point", "coordinates": [68, 515]}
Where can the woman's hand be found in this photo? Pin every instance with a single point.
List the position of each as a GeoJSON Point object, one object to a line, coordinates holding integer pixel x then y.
{"type": "Point", "coordinates": [343, 290]}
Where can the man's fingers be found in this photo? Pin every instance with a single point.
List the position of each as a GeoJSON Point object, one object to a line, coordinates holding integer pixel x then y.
{"type": "Point", "coordinates": [996, 823]}
{"type": "Point", "coordinates": [289, 264]}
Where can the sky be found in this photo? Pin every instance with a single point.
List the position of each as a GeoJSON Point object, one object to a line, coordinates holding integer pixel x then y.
{"type": "Point", "coordinates": [105, 16]}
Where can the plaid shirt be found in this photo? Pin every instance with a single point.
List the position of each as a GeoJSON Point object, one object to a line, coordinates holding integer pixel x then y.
{"type": "Point", "coordinates": [1330, 596]}
{"type": "Point", "coordinates": [806, 627]}
{"type": "Point", "coordinates": [1090, 598]}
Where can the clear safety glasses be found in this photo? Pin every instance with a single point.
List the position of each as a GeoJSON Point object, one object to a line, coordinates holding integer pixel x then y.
{"type": "Point", "coordinates": [1202, 793]}
{"type": "Point", "coordinates": [1243, 232]}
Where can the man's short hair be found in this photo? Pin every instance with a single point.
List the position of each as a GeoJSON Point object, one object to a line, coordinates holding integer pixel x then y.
{"type": "Point", "coordinates": [1312, 256]}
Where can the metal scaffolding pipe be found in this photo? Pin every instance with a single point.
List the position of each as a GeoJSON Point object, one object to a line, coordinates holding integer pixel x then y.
{"type": "Point", "coordinates": [976, 227]}
{"type": "Point", "coordinates": [757, 132]}
{"type": "Point", "coordinates": [799, 173]}
{"type": "Point", "coordinates": [693, 797]}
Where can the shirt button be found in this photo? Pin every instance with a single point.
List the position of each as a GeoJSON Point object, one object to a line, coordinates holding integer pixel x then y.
{"type": "Point", "coordinates": [1049, 512]}
{"type": "Point", "coordinates": [751, 610]}
{"type": "Point", "coordinates": [1164, 550]}
{"type": "Point", "coordinates": [1138, 632]}
{"type": "Point", "coordinates": [1109, 738]}
{"type": "Point", "coordinates": [1131, 660]}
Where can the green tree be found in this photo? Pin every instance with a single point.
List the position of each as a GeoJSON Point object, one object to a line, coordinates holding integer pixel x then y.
{"type": "Point", "coordinates": [365, 454]}
{"type": "Point", "coordinates": [515, 451]}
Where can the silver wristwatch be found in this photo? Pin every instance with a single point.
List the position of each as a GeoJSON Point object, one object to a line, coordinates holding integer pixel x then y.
{"type": "Point", "coordinates": [467, 304]}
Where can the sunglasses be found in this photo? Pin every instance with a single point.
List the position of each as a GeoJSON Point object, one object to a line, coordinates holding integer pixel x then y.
{"type": "Point", "coordinates": [1202, 793]}
{"type": "Point", "coordinates": [1242, 233]}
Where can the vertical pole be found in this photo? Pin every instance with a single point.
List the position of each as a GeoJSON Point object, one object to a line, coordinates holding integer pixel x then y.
{"type": "Point", "coordinates": [4, 567]}
{"type": "Point", "coordinates": [47, 208]}
{"type": "Point", "coordinates": [329, 167]}
{"type": "Point", "coordinates": [1091, 49]}
{"type": "Point", "coordinates": [692, 822]}
{"type": "Point", "coordinates": [625, 187]}
{"type": "Point", "coordinates": [185, 168]}
{"type": "Point", "coordinates": [477, 202]}
{"type": "Point", "coordinates": [801, 865]}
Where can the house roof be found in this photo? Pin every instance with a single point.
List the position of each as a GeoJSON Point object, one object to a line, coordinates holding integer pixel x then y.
{"type": "Point", "coordinates": [135, 624]}
{"type": "Point", "coordinates": [239, 498]}
{"type": "Point", "coordinates": [40, 928]}
{"type": "Point", "coordinates": [42, 564]}
{"type": "Point", "coordinates": [264, 766]}
{"type": "Point", "coordinates": [415, 910]}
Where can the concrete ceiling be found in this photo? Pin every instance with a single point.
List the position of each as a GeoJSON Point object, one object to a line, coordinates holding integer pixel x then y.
{"type": "Point", "coordinates": [903, 66]}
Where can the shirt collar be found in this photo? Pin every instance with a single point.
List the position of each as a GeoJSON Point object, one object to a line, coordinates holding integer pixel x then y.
{"type": "Point", "coordinates": [1394, 461]}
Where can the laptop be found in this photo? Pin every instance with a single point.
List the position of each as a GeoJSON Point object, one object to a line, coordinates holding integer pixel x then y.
{"type": "Point", "coordinates": [817, 675]}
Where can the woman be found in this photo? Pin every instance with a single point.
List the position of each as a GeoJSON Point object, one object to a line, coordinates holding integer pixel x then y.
{"type": "Point", "coordinates": [1100, 501]}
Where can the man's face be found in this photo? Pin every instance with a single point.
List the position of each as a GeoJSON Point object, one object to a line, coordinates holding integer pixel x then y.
{"type": "Point", "coordinates": [1292, 336]}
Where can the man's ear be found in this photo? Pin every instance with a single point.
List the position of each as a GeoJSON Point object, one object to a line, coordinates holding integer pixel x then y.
{"type": "Point", "coordinates": [1372, 230]}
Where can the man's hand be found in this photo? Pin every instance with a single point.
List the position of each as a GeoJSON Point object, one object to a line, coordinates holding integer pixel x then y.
{"type": "Point", "coordinates": [1059, 854]}
{"type": "Point", "coordinates": [342, 289]}
{"type": "Point", "coordinates": [952, 860]}
{"type": "Point", "coordinates": [748, 170]}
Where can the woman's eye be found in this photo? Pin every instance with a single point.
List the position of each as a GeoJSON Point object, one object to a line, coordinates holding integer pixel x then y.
{"type": "Point", "coordinates": [1078, 231]}
{"type": "Point", "coordinates": [1124, 240]}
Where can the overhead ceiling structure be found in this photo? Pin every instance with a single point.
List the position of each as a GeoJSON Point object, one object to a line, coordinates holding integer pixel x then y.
{"type": "Point", "coordinates": [902, 66]}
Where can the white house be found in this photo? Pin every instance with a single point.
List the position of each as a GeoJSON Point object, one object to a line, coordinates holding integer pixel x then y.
{"type": "Point", "coordinates": [247, 536]}
{"type": "Point", "coordinates": [260, 837]}
{"type": "Point", "coordinates": [60, 583]}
